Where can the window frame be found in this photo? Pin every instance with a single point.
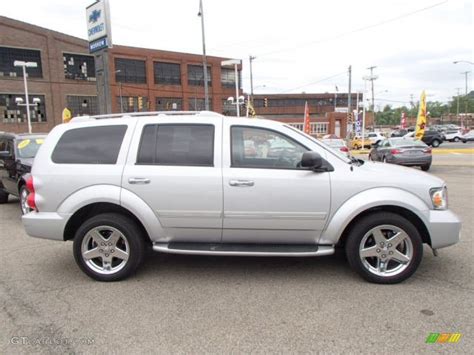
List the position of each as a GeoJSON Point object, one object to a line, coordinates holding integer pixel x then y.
{"type": "Point", "coordinates": [232, 165]}
{"type": "Point", "coordinates": [212, 165]}
{"type": "Point", "coordinates": [156, 77]}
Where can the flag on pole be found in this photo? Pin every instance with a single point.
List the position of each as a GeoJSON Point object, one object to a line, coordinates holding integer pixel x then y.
{"type": "Point", "coordinates": [421, 119]}
{"type": "Point", "coordinates": [250, 110]}
{"type": "Point", "coordinates": [403, 123]}
{"type": "Point", "coordinates": [67, 115]}
{"type": "Point", "coordinates": [307, 126]}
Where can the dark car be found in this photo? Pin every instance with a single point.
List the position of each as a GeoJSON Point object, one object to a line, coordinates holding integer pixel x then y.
{"type": "Point", "coordinates": [17, 152]}
{"type": "Point", "coordinates": [399, 133]}
{"type": "Point", "coordinates": [433, 138]}
{"type": "Point", "coordinates": [402, 151]}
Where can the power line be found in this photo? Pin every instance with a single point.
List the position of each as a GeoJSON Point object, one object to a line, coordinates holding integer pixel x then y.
{"type": "Point", "coordinates": [381, 23]}
{"type": "Point", "coordinates": [315, 82]}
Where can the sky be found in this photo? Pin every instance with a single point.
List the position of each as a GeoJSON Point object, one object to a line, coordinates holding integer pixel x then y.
{"type": "Point", "coordinates": [299, 45]}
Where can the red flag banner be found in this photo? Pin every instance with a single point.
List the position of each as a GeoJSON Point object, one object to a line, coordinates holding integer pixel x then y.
{"type": "Point", "coordinates": [307, 126]}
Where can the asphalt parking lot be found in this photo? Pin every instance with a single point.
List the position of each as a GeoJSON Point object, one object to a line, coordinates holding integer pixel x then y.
{"type": "Point", "coordinates": [190, 304]}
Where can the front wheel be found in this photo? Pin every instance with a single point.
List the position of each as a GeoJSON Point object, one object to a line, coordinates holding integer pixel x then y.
{"type": "Point", "coordinates": [435, 143]}
{"type": "Point", "coordinates": [456, 139]}
{"type": "Point", "coordinates": [24, 200]}
{"type": "Point", "coordinates": [109, 247]}
{"type": "Point", "coordinates": [426, 167]}
{"type": "Point", "coordinates": [3, 196]}
{"type": "Point", "coordinates": [384, 248]}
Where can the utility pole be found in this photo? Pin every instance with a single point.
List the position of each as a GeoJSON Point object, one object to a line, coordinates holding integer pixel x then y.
{"type": "Point", "coordinates": [349, 102]}
{"type": "Point", "coordinates": [251, 58]}
{"type": "Point", "coordinates": [457, 106]}
{"type": "Point", "coordinates": [204, 59]}
{"type": "Point", "coordinates": [465, 73]}
{"type": "Point", "coordinates": [371, 78]}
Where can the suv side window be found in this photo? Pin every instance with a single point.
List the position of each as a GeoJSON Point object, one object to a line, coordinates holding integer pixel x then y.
{"type": "Point", "coordinates": [89, 145]}
{"type": "Point", "coordinates": [177, 144]}
{"type": "Point", "coordinates": [263, 148]}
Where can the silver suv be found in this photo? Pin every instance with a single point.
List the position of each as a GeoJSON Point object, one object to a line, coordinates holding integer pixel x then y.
{"type": "Point", "coordinates": [201, 183]}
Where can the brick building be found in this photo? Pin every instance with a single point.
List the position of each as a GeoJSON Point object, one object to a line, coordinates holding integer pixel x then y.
{"type": "Point", "coordinates": [323, 109]}
{"type": "Point", "coordinates": [141, 79]}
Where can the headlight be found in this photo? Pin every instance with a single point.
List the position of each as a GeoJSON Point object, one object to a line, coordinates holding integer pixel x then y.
{"type": "Point", "coordinates": [439, 198]}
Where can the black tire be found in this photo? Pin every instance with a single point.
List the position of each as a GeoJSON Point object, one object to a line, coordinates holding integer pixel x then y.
{"type": "Point", "coordinates": [129, 230]}
{"type": "Point", "coordinates": [456, 139]}
{"type": "Point", "coordinates": [464, 141]}
{"type": "Point", "coordinates": [366, 224]}
{"type": "Point", "coordinates": [425, 167]}
{"type": "Point", "coordinates": [23, 195]}
{"type": "Point", "coordinates": [435, 143]}
{"type": "Point", "coordinates": [3, 197]}
{"type": "Point", "coordinates": [384, 160]}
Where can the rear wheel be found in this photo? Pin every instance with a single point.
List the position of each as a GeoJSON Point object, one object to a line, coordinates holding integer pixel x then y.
{"type": "Point", "coordinates": [384, 160]}
{"type": "Point", "coordinates": [384, 248]}
{"type": "Point", "coordinates": [109, 247]}
{"type": "Point", "coordinates": [426, 167]}
{"type": "Point", "coordinates": [456, 139]}
{"type": "Point", "coordinates": [435, 143]}
{"type": "Point", "coordinates": [3, 196]}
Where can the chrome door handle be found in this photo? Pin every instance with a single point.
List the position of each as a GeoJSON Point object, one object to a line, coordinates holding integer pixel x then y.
{"type": "Point", "coordinates": [138, 181]}
{"type": "Point", "coordinates": [241, 183]}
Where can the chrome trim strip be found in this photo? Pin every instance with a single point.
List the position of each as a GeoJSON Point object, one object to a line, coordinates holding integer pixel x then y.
{"type": "Point", "coordinates": [275, 215]}
{"type": "Point", "coordinates": [163, 248]}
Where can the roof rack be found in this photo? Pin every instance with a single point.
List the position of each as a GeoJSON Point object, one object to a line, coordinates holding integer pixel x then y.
{"type": "Point", "coordinates": [147, 114]}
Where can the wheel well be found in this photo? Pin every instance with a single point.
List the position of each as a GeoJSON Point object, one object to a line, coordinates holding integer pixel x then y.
{"type": "Point", "coordinates": [94, 209]}
{"type": "Point", "coordinates": [413, 218]}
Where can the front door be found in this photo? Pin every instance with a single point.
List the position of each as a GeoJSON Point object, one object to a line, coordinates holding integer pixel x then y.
{"type": "Point", "coordinates": [176, 169]}
{"type": "Point", "coordinates": [268, 198]}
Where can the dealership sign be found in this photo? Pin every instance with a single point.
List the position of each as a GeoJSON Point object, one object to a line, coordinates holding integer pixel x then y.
{"type": "Point", "coordinates": [98, 26]}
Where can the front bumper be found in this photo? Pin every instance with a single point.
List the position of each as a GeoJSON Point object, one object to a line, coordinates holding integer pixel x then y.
{"type": "Point", "coordinates": [444, 228]}
{"type": "Point", "coordinates": [46, 225]}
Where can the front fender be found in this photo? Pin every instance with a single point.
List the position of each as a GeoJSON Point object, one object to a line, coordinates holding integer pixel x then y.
{"type": "Point", "coordinates": [376, 197]}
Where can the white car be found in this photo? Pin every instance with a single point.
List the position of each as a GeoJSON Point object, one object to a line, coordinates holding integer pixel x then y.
{"type": "Point", "coordinates": [453, 135]}
{"type": "Point", "coordinates": [375, 137]}
{"type": "Point", "coordinates": [205, 184]}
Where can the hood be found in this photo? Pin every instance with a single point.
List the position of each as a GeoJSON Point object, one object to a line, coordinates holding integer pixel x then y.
{"type": "Point", "coordinates": [27, 161]}
{"type": "Point", "coordinates": [400, 175]}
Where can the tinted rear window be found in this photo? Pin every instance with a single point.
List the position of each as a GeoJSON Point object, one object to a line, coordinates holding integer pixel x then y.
{"type": "Point", "coordinates": [182, 144]}
{"type": "Point", "coordinates": [89, 145]}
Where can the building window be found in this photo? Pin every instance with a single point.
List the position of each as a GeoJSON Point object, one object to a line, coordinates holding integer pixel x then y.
{"type": "Point", "coordinates": [228, 78]}
{"type": "Point", "coordinates": [9, 55]}
{"type": "Point", "coordinates": [130, 71]}
{"type": "Point", "coordinates": [169, 104]}
{"type": "Point", "coordinates": [132, 103]}
{"type": "Point", "coordinates": [196, 75]}
{"type": "Point", "coordinates": [315, 127]}
{"type": "Point", "coordinates": [82, 105]}
{"type": "Point", "coordinates": [167, 73]}
{"type": "Point", "coordinates": [11, 112]}
{"type": "Point", "coordinates": [197, 104]}
{"type": "Point", "coordinates": [79, 67]}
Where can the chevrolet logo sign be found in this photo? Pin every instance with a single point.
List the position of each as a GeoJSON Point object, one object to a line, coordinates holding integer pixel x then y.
{"type": "Point", "coordinates": [94, 16]}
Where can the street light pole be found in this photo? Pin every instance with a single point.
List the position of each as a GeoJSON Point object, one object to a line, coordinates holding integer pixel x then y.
{"type": "Point", "coordinates": [204, 59]}
{"type": "Point", "coordinates": [251, 58]}
{"type": "Point", "coordinates": [465, 73]}
{"type": "Point", "coordinates": [23, 64]}
{"type": "Point", "coordinates": [235, 63]}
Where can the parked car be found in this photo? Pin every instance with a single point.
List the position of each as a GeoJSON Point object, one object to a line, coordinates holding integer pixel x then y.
{"type": "Point", "coordinates": [402, 151]}
{"type": "Point", "coordinates": [17, 152]}
{"type": "Point", "coordinates": [453, 135]}
{"type": "Point", "coordinates": [375, 137]}
{"type": "Point", "coordinates": [183, 184]}
{"type": "Point", "coordinates": [337, 144]}
{"type": "Point", "coordinates": [399, 133]}
{"type": "Point", "coordinates": [357, 142]}
{"type": "Point", "coordinates": [430, 137]}
{"type": "Point", "coordinates": [468, 137]}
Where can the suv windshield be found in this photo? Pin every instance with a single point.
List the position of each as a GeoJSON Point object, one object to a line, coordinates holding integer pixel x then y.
{"type": "Point", "coordinates": [27, 148]}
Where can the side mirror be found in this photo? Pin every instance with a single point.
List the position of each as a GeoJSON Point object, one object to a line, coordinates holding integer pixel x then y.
{"type": "Point", "coordinates": [311, 160]}
{"type": "Point", "coordinates": [5, 154]}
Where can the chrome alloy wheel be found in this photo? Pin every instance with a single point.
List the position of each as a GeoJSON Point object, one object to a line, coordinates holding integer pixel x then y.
{"type": "Point", "coordinates": [386, 250]}
{"type": "Point", "coordinates": [105, 250]}
{"type": "Point", "coordinates": [24, 201]}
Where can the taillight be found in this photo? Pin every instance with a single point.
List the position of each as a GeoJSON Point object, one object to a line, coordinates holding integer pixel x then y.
{"type": "Point", "coordinates": [344, 149]}
{"type": "Point", "coordinates": [395, 152]}
{"type": "Point", "coordinates": [427, 151]}
{"type": "Point", "coordinates": [31, 196]}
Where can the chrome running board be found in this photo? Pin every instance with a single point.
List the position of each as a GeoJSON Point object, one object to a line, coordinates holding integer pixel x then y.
{"type": "Point", "coordinates": [295, 250]}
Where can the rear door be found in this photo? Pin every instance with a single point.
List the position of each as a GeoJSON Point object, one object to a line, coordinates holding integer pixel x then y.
{"type": "Point", "coordinates": [175, 167]}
